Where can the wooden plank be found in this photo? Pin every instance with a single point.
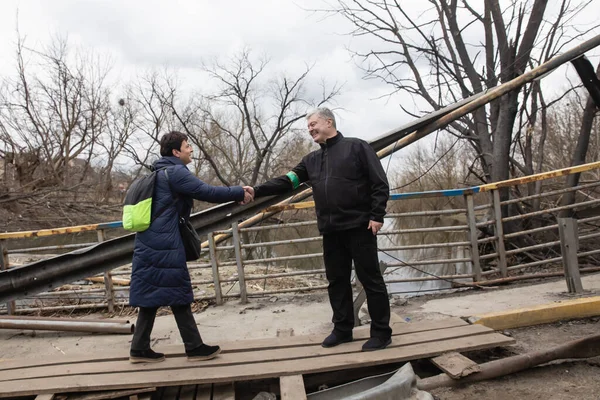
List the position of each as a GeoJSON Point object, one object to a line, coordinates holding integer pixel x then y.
{"type": "Point", "coordinates": [171, 392]}
{"type": "Point", "coordinates": [242, 372]}
{"type": "Point", "coordinates": [188, 392]}
{"type": "Point", "coordinates": [112, 394]}
{"type": "Point", "coordinates": [235, 358]}
{"type": "Point", "coordinates": [291, 387]}
{"type": "Point", "coordinates": [45, 397]}
{"type": "Point", "coordinates": [224, 392]}
{"type": "Point", "coordinates": [456, 365]}
{"type": "Point", "coordinates": [239, 345]}
{"type": "Point", "coordinates": [396, 319]}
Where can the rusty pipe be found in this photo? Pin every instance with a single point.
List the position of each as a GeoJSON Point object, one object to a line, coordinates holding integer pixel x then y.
{"type": "Point", "coordinates": [580, 348]}
{"type": "Point", "coordinates": [57, 324]}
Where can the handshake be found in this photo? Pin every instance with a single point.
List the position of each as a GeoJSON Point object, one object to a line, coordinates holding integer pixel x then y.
{"type": "Point", "coordinates": [248, 195]}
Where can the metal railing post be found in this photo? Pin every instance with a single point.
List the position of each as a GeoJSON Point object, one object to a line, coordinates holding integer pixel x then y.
{"type": "Point", "coordinates": [569, 244]}
{"type": "Point", "coordinates": [108, 281]}
{"type": "Point", "coordinates": [500, 234]}
{"type": "Point", "coordinates": [237, 244]}
{"type": "Point", "coordinates": [10, 306]}
{"type": "Point", "coordinates": [215, 267]}
{"type": "Point", "coordinates": [472, 223]}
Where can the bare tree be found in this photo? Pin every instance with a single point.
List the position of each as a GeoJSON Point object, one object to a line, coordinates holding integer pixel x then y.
{"type": "Point", "coordinates": [149, 103]}
{"type": "Point", "coordinates": [53, 112]}
{"type": "Point", "coordinates": [442, 51]}
{"type": "Point", "coordinates": [242, 128]}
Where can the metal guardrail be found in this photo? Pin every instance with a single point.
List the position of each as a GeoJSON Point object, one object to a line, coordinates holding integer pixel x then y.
{"type": "Point", "coordinates": [229, 269]}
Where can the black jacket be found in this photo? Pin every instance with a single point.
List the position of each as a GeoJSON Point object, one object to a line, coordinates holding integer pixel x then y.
{"type": "Point", "coordinates": [349, 184]}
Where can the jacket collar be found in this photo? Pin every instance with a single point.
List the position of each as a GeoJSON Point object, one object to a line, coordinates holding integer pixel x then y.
{"type": "Point", "coordinates": [331, 141]}
{"type": "Point", "coordinates": [167, 161]}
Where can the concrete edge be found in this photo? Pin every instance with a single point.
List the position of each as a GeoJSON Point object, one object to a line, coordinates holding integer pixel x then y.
{"type": "Point", "coordinates": [542, 314]}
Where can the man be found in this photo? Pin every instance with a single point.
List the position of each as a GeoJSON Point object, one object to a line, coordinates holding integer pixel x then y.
{"type": "Point", "coordinates": [159, 272]}
{"type": "Point", "coordinates": [350, 190]}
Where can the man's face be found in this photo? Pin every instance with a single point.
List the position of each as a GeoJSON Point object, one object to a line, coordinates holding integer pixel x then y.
{"type": "Point", "coordinates": [320, 129]}
{"type": "Point", "coordinates": [185, 154]}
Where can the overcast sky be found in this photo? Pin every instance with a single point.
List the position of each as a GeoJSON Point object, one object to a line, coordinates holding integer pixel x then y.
{"type": "Point", "coordinates": [180, 33]}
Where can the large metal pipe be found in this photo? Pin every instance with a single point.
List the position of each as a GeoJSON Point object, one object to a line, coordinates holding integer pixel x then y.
{"type": "Point", "coordinates": [71, 325]}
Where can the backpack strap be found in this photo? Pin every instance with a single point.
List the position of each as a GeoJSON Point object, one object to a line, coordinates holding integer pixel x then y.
{"type": "Point", "coordinates": [175, 197]}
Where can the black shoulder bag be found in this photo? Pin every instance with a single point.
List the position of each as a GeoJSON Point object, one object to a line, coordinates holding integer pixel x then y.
{"type": "Point", "coordinates": [189, 236]}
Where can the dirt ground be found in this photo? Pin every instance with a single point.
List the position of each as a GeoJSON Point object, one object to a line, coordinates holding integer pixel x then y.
{"type": "Point", "coordinates": [575, 379]}
{"type": "Point", "coordinates": [570, 379]}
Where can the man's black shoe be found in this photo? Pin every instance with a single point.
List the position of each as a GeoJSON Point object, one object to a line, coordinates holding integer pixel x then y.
{"type": "Point", "coordinates": [145, 356]}
{"type": "Point", "coordinates": [335, 338]}
{"type": "Point", "coordinates": [376, 343]}
{"type": "Point", "coordinates": [203, 352]}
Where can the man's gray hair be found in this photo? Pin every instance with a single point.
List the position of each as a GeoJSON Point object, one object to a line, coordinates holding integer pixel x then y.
{"type": "Point", "coordinates": [322, 112]}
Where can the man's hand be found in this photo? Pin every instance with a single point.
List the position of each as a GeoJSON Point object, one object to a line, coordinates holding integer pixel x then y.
{"type": "Point", "coordinates": [250, 190]}
{"type": "Point", "coordinates": [248, 195]}
{"type": "Point", "coordinates": [374, 226]}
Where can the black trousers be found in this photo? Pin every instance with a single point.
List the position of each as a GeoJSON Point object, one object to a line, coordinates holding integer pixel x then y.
{"type": "Point", "coordinates": [339, 250]}
{"type": "Point", "coordinates": [185, 322]}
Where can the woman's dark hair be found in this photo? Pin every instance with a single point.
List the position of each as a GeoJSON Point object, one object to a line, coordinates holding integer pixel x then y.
{"type": "Point", "coordinates": [171, 141]}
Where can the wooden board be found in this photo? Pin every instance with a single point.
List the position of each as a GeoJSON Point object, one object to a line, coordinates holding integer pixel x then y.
{"type": "Point", "coordinates": [237, 358]}
{"type": "Point", "coordinates": [223, 392]}
{"type": "Point", "coordinates": [204, 372]}
{"type": "Point", "coordinates": [456, 365]}
{"type": "Point", "coordinates": [112, 394]}
{"type": "Point", "coordinates": [240, 345]}
{"type": "Point", "coordinates": [292, 387]}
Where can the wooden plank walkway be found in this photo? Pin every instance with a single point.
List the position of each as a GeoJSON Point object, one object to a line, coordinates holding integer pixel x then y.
{"type": "Point", "coordinates": [242, 360]}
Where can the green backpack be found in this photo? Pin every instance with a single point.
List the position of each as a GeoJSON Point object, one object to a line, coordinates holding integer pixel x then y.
{"type": "Point", "coordinates": [137, 206]}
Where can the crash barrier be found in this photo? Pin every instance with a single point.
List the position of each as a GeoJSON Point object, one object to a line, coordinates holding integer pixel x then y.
{"type": "Point", "coordinates": [431, 241]}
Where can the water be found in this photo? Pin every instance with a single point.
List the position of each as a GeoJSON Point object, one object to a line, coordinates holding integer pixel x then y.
{"type": "Point", "coordinates": [410, 289]}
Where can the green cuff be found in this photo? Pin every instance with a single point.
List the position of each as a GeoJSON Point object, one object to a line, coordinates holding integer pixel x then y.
{"type": "Point", "coordinates": [294, 179]}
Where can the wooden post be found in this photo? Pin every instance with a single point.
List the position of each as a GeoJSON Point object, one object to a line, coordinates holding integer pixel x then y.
{"type": "Point", "coordinates": [10, 306]}
{"type": "Point", "coordinates": [108, 282]}
{"type": "Point", "coordinates": [569, 244]}
{"type": "Point", "coordinates": [237, 244]}
{"type": "Point", "coordinates": [473, 237]}
{"type": "Point", "coordinates": [215, 267]}
{"type": "Point", "coordinates": [500, 234]}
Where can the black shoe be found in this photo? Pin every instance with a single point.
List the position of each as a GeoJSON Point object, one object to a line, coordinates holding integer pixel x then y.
{"type": "Point", "coordinates": [203, 352]}
{"type": "Point", "coordinates": [376, 343]}
{"type": "Point", "coordinates": [335, 338]}
{"type": "Point", "coordinates": [145, 356]}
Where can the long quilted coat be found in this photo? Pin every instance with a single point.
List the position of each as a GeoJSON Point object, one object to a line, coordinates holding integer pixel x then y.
{"type": "Point", "coordinates": [160, 276]}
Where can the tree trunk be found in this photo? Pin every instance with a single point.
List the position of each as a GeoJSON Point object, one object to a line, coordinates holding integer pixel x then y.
{"type": "Point", "coordinates": [583, 141]}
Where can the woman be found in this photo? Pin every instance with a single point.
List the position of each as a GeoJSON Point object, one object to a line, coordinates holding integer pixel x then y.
{"type": "Point", "coordinates": [159, 271]}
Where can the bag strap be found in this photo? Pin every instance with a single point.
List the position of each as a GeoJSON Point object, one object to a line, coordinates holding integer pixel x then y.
{"type": "Point", "coordinates": [173, 194]}
{"type": "Point", "coordinates": [175, 198]}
